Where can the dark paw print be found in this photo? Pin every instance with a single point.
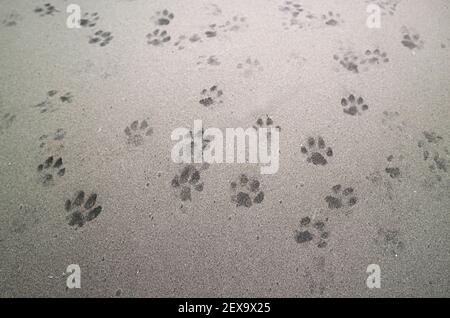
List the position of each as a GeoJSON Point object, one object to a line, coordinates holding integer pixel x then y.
{"type": "Point", "coordinates": [312, 231]}
{"type": "Point", "coordinates": [349, 61]}
{"type": "Point", "coordinates": [185, 181]}
{"type": "Point", "coordinates": [411, 40]}
{"type": "Point", "coordinates": [316, 151]}
{"type": "Point", "coordinates": [211, 96]}
{"type": "Point", "coordinates": [353, 106]}
{"type": "Point", "coordinates": [158, 37]}
{"type": "Point", "coordinates": [341, 197]}
{"type": "Point", "coordinates": [89, 20]}
{"type": "Point", "coordinates": [81, 210]}
{"type": "Point", "coordinates": [246, 191]}
{"type": "Point", "coordinates": [375, 57]}
{"type": "Point", "coordinates": [48, 9]}
{"type": "Point", "coordinates": [332, 19]}
{"type": "Point", "coordinates": [6, 120]}
{"type": "Point", "coordinates": [52, 101]}
{"type": "Point", "coordinates": [135, 132]}
{"type": "Point", "coordinates": [432, 153]}
{"type": "Point", "coordinates": [393, 172]}
{"type": "Point", "coordinates": [101, 38]}
{"type": "Point", "coordinates": [49, 169]}
{"type": "Point", "coordinates": [163, 17]}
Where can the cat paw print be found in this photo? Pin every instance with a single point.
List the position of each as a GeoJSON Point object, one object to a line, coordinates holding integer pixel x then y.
{"type": "Point", "coordinates": [434, 154]}
{"type": "Point", "coordinates": [184, 40]}
{"type": "Point", "coordinates": [211, 96]}
{"type": "Point", "coordinates": [100, 37]}
{"type": "Point", "coordinates": [354, 106]}
{"type": "Point", "coordinates": [235, 24]}
{"type": "Point", "coordinates": [89, 20]}
{"type": "Point", "coordinates": [312, 231]}
{"type": "Point", "coordinates": [82, 210]}
{"type": "Point", "coordinates": [355, 63]}
{"type": "Point", "coordinates": [207, 61]}
{"type": "Point", "coordinates": [341, 198]}
{"type": "Point", "coordinates": [12, 19]}
{"type": "Point", "coordinates": [52, 142]}
{"type": "Point", "coordinates": [411, 40]}
{"type": "Point", "coordinates": [291, 8]}
{"type": "Point", "coordinates": [6, 121]}
{"type": "Point", "coordinates": [53, 101]}
{"type": "Point", "coordinates": [246, 191]}
{"type": "Point", "coordinates": [393, 170]}
{"type": "Point", "coordinates": [50, 169]}
{"type": "Point", "coordinates": [332, 19]}
{"type": "Point", "coordinates": [388, 7]}
{"type": "Point", "coordinates": [316, 151]}
{"type": "Point", "coordinates": [163, 17]}
{"type": "Point", "coordinates": [267, 122]}
{"type": "Point", "coordinates": [348, 60]}
{"type": "Point", "coordinates": [186, 181]}
{"type": "Point", "coordinates": [47, 9]}
{"type": "Point", "coordinates": [390, 241]}
{"type": "Point", "coordinates": [249, 67]}
{"type": "Point", "coordinates": [136, 132]}
{"type": "Point", "coordinates": [158, 37]}
{"type": "Point", "coordinates": [374, 57]}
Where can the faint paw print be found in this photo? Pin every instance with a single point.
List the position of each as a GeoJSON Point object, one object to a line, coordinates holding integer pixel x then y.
{"type": "Point", "coordinates": [211, 96]}
{"type": "Point", "coordinates": [352, 105]}
{"type": "Point", "coordinates": [393, 172]}
{"type": "Point", "coordinates": [135, 133]}
{"type": "Point", "coordinates": [341, 198]}
{"type": "Point", "coordinates": [316, 151]}
{"type": "Point", "coordinates": [246, 191]}
{"type": "Point", "coordinates": [49, 168]}
{"type": "Point", "coordinates": [81, 210]}
{"type": "Point", "coordinates": [48, 9]}
{"type": "Point", "coordinates": [332, 19]}
{"type": "Point", "coordinates": [312, 231]}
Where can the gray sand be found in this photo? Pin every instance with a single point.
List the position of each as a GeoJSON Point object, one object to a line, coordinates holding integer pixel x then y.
{"type": "Point", "coordinates": [146, 242]}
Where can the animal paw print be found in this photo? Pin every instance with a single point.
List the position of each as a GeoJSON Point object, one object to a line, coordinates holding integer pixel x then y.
{"type": "Point", "coordinates": [185, 181]}
{"type": "Point", "coordinates": [246, 191]}
{"type": "Point", "coordinates": [352, 105]}
{"type": "Point", "coordinates": [411, 40]}
{"type": "Point", "coordinates": [349, 61]}
{"type": "Point", "coordinates": [11, 19]}
{"type": "Point", "coordinates": [249, 67]}
{"type": "Point", "coordinates": [89, 20]}
{"type": "Point", "coordinates": [101, 38]}
{"type": "Point", "coordinates": [291, 8]}
{"type": "Point", "coordinates": [163, 17]}
{"type": "Point", "coordinates": [375, 57]}
{"type": "Point", "coordinates": [312, 231]}
{"type": "Point", "coordinates": [393, 171]}
{"type": "Point", "coordinates": [211, 60]}
{"type": "Point", "coordinates": [49, 169]}
{"type": "Point", "coordinates": [316, 151]}
{"type": "Point", "coordinates": [235, 24]}
{"type": "Point", "coordinates": [211, 96]}
{"type": "Point", "coordinates": [50, 104]}
{"type": "Point", "coordinates": [135, 132]}
{"type": "Point", "coordinates": [390, 241]}
{"type": "Point", "coordinates": [48, 9]}
{"type": "Point", "coordinates": [213, 9]}
{"type": "Point", "coordinates": [81, 210]}
{"type": "Point", "coordinates": [386, 6]}
{"type": "Point", "coordinates": [183, 39]}
{"type": "Point", "coordinates": [158, 37]}
{"type": "Point", "coordinates": [332, 19]}
{"type": "Point", "coordinates": [52, 142]}
{"type": "Point", "coordinates": [341, 197]}
{"type": "Point", "coordinates": [354, 62]}
{"type": "Point", "coordinates": [432, 155]}
{"type": "Point", "coordinates": [6, 121]}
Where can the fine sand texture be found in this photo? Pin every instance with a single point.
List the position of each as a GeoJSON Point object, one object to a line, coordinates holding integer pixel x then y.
{"type": "Point", "coordinates": [87, 178]}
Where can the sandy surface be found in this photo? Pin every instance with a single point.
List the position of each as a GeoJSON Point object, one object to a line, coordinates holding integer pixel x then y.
{"type": "Point", "coordinates": [147, 241]}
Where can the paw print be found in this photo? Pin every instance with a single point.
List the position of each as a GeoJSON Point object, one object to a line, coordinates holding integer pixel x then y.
{"type": "Point", "coordinates": [432, 153]}
{"type": "Point", "coordinates": [341, 198]}
{"type": "Point", "coordinates": [188, 178]}
{"type": "Point", "coordinates": [312, 231]}
{"type": "Point", "coordinates": [11, 19]}
{"type": "Point", "coordinates": [390, 241]}
{"type": "Point", "coordinates": [101, 38]}
{"type": "Point", "coordinates": [51, 102]}
{"type": "Point", "coordinates": [6, 121]}
{"type": "Point", "coordinates": [249, 67]}
{"type": "Point", "coordinates": [332, 19]}
{"type": "Point", "coordinates": [135, 132]}
{"type": "Point", "coordinates": [89, 20]}
{"type": "Point", "coordinates": [374, 57]}
{"type": "Point", "coordinates": [205, 61]}
{"type": "Point", "coordinates": [211, 96]}
{"type": "Point", "coordinates": [183, 39]}
{"type": "Point", "coordinates": [246, 191]}
{"type": "Point", "coordinates": [411, 40]}
{"type": "Point", "coordinates": [291, 8]}
{"type": "Point", "coordinates": [235, 24]}
{"type": "Point", "coordinates": [158, 37]}
{"type": "Point", "coordinates": [52, 142]}
{"type": "Point", "coordinates": [82, 211]}
{"type": "Point", "coordinates": [49, 168]}
{"type": "Point", "coordinates": [349, 61]}
{"type": "Point", "coordinates": [163, 17]}
{"type": "Point", "coordinates": [48, 9]}
{"type": "Point", "coordinates": [316, 151]}
{"type": "Point", "coordinates": [352, 105]}
{"type": "Point", "coordinates": [393, 172]}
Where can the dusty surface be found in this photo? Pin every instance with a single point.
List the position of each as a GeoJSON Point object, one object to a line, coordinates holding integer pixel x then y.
{"type": "Point", "coordinates": [71, 94]}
